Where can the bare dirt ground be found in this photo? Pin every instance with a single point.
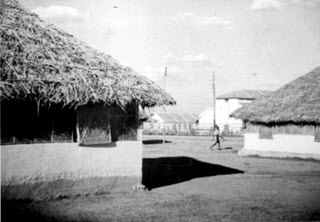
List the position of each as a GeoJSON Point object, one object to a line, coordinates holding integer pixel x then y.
{"type": "Point", "coordinates": [187, 182]}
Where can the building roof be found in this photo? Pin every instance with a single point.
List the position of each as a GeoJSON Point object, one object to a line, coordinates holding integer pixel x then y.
{"type": "Point", "coordinates": [244, 94]}
{"type": "Point", "coordinates": [167, 118]}
{"type": "Point", "coordinates": [297, 101]}
{"type": "Point", "coordinates": [178, 117]}
{"type": "Point", "coordinates": [191, 118]}
{"type": "Point", "coordinates": [42, 62]}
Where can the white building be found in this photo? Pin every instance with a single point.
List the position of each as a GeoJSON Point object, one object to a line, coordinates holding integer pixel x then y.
{"type": "Point", "coordinates": [173, 123]}
{"type": "Point", "coordinates": [225, 105]}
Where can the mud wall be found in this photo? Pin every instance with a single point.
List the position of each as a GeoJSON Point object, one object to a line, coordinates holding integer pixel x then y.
{"type": "Point", "coordinates": [50, 170]}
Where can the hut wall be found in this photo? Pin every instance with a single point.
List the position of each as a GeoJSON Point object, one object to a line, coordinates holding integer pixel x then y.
{"type": "Point", "coordinates": [286, 141]}
{"type": "Point", "coordinates": [51, 170]}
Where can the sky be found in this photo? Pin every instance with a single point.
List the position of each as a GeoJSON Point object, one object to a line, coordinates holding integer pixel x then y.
{"type": "Point", "coordinates": [248, 44]}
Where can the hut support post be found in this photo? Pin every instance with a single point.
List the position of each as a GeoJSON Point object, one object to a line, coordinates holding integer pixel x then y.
{"type": "Point", "coordinates": [78, 130]}
{"type": "Point", "coordinates": [51, 136]}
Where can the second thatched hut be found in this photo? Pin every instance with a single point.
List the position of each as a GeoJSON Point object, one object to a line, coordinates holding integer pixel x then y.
{"type": "Point", "coordinates": [285, 123]}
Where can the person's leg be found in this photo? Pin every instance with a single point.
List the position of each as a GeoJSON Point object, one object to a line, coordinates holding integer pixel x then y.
{"type": "Point", "coordinates": [213, 145]}
{"type": "Point", "coordinates": [218, 142]}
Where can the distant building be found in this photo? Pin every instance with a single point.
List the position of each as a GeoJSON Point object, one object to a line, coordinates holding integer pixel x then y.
{"type": "Point", "coordinates": [225, 105]}
{"type": "Point", "coordinates": [173, 123]}
{"type": "Point", "coordinates": [285, 123]}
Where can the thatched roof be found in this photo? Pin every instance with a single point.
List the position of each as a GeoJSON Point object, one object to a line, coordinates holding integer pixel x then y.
{"type": "Point", "coordinates": [40, 61]}
{"type": "Point", "coordinates": [296, 102]}
{"type": "Point", "coordinates": [248, 94]}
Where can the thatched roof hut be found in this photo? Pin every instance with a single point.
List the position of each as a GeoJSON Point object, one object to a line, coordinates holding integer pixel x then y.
{"type": "Point", "coordinates": [68, 112]}
{"type": "Point", "coordinates": [42, 62]}
{"type": "Point", "coordinates": [286, 122]}
{"type": "Point", "coordinates": [295, 102]}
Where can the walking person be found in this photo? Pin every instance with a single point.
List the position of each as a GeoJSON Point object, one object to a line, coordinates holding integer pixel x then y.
{"type": "Point", "coordinates": [217, 135]}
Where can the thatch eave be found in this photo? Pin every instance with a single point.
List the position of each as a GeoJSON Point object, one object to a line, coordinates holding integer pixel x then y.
{"type": "Point", "coordinates": [297, 101]}
{"type": "Point", "coordinates": [41, 61]}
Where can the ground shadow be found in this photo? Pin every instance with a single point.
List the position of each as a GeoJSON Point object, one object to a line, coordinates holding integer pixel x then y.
{"type": "Point", "coordinates": [164, 171]}
{"type": "Point", "coordinates": [222, 148]}
{"type": "Point", "coordinates": [155, 141]}
{"type": "Point", "coordinates": [100, 145]}
{"type": "Point", "coordinates": [22, 210]}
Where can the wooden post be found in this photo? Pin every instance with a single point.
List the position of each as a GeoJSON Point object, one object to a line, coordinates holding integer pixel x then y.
{"type": "Point", "coordinates": [52, 129]}
{"type": "Point", "coordinates": [214, 99]}
{"type": "Point", "coordinates": [78, 130]}
{"type": "Point", "coordinates": [137, 121]}
{"type": "Point", "coordinates": [51, 136]}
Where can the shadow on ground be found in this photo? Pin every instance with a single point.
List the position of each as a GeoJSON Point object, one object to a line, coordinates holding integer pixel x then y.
{"type": "Point", "coordinates": [164, 171]}
{"type": "Point", "coordinates": [22, 210]}
{"type": "Point", "coordinates": [155, 141]}
{"type": "Point", "coordinates": [100, 145]}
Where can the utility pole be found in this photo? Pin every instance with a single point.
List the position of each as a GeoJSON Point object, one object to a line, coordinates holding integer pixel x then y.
{"type": "Point", "coordinates": [214, 98]}
{"type": "Point", "coordinates": [164, 123]}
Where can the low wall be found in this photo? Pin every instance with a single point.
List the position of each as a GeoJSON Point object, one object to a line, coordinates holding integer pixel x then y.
{"type": "Point", "coordinates": [51, 170]}
{"type": "Point", "coordinates": [302, 146]}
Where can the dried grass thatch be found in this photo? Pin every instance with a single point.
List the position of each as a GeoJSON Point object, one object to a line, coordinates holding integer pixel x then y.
{"type": "Point", "coordinates": [42, 62]}
{"type": "Point", "coordinates": [247, 94]}
{"type": "Point", "coordinates": [296, 102]}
